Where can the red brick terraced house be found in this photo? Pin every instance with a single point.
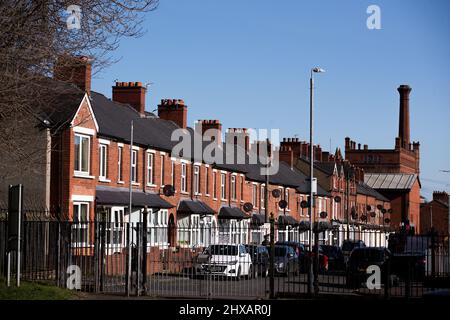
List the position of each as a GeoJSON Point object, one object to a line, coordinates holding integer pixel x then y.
{"type": "Point", "coordinates": [91, 164]}
{"type": "Point", "coordinates": [355, 210]}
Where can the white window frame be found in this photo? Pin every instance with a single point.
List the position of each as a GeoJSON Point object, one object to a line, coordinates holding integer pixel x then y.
{"type": "Point", "coordinates": [134, 155]}
{"type": "Point", "coordinates": [81, 226]}
{"type": "Point", "coordinates": [119, 164]}
{"type": "Point", "coordinates": [223, 186]}
{"type": "Point", "coordinates": [150, 169]}
{"type": "Point", "coordinates": [207, 181]}
{"type": "Point", "coordinates": [162, 158]}
{"type": "Point", "coordinates": [233, 187]}
{"type": "Point", "coordinates": [81, 172]}
{"type": "Point", "coordinates": [197, 180]}
{"type": "Point", "coordinates": [103, 162]}
{"type": "Point", "coordinates": [157, 228]}
{"type": "Point", "coordinates": [172, 173]}
{"type": "Point", "coordinates": [263, 196]}
{"type": "Point", "coordinates": [254, 195]}
{"type": "Point", "coordinates": [286, 198]}
{"type": "Point", "coordinates": [115, 225]}
{"type": "Point", "coordinates": [214, 184]}
{"type": "Point", "coordinates": [183, 179]}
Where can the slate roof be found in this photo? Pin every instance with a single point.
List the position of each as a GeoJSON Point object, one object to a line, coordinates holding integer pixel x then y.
{"type": "Point", "coordinates": [363, 188]}
{"type": "Point", "coordinates": [114, 120]}
{"type": "Point", "coordinates": [390, 181]}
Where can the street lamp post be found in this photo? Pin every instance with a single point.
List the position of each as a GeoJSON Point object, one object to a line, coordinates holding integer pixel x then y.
{"type": "Point", "coordinates": [311, 175]}
{"type": "Point", "coordinates": [129, 211]}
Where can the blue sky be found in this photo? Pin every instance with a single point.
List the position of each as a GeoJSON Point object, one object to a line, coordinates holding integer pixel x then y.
{"type": "Point", "coordinates": [247, 64]}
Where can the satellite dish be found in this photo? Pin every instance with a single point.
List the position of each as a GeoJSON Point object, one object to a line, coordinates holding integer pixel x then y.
{"type": "Point", "coordinates": [282, 204]}
{"type": "Point", "coordinates": [168, 190]}
{"type": "Point", "coordinates": [337, 199]}
{"type": "Point", "coordinates": [373, 214]}
{"type": "Point", "coordinates": [390, 210]}
{"type": "Point", "coordinates": [248, 207]}
{"type": "Point", "coordinates": [383, 211]}
{"type": "Point", "coordinates": [304, 204]}
{"type": "Point", "coordinates": [387, 220]}
{"type": "Point", "coordinates": [276, 193]}
{"type": "Point", "coordinates": [323, 214]}
{"type": "Point", "coordinates": [379, 207]}
{"type": "Point", "coordinates": [369, 208]}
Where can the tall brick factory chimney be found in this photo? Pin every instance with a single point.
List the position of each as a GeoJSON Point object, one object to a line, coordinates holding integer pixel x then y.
{"type": "Point", "coordinates": [76, 70]}
{"type": "Point", "coordinates": [132, 93]}
{"type": "Point", "coordinates": [174, 110]}
{"type": "Point", "coordinates": [403, 127]}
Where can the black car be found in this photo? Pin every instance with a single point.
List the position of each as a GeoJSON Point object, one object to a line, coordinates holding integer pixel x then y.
{"type": "Point", "coordinates": [335, 257]}
{"type": "Point", "coordinates": [300, 250]}
{"type": "Point", "coordinates": [360, 259]}
{"type": "Point", "coordinates": [260, 259]}
{"type": "Point", "coordinates": [285, 260]}
{"type": "Point", "coordinates": [349, 245]}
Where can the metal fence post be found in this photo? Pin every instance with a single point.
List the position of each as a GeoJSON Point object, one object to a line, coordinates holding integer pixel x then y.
{"type": "Point", "coordinates": [272, 260]}
{"type": "Point", "coordinates": [144, 250]}
{"type": "Point", "coordinates": [387, 283]}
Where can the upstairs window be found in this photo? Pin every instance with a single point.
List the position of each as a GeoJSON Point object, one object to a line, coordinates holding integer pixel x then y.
{"type": "Point", "coordinates": [119, 164]}
{"type": "Point", "coordinates": [82, 150]}
{"type": "Point", "coordinates": [150, 166]}
{"type": "Point", "coordinates": [196, 179]}
{"type": "Point", "coordinates": [162, 169]}
{"type": "Point", "coordinates": [223, 186]}
{"type": "Point", "coordinates": [263, 196]}
{"type": "Point", "coordinates": [206, 181]}
{"type": "Point", "coordinates": [183, 178]}
{"type": "Point", "coordinates": [233, 187]}
{"type": "Point", "coordinates": [103, 157]}
{"type": "Point", "coordinates": [254, 195]}
{"type": "Point", "coordinates": [134, 166]}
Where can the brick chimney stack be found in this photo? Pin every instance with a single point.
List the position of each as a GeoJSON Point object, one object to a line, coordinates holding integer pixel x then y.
{"type": "Point", "coordinates": [76, 70]}
{"type": "Point", "coordinates": [210, 124]}
{"type": "Point", "coordinates": [441, 196]}
{"type": "Point", "coordinates": [132, 93]}
{"type": "Point", "coordinates": [238, 136]}
{"type": "Point", "coordinates": [403, 128]}
{"type": "Point", "coordinates": [174, 110]}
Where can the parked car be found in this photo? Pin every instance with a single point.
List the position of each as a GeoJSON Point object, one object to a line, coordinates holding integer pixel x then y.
{"type": "Point", "coordinates": [300, 249]}
{"type": "Point", "coordinates": [360, 259]}
{"type": "Point", "coordinates": [335, 257]}
{"type": "Point", "coordinates": [323, 258]}
{"type": "Point", "coordinates": [410, 253]}
{"type": "Point", "coordinates": [349, 245]}
{"type": "Point", "coordinates": [260, 259]}
{"type": "Point", "coordinates": [229, 260]}
{"type": "Point", "coordinates": [285, 260]}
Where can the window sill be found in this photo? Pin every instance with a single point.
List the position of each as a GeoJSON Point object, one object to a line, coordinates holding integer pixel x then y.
{"type": "Point", "coordinates": [184, 192]}
{"type": "Point", "coordinates": [104, 180]}
{"type": "Point", "coordinates": [135, 184]}
{"type": "Point", "coordinates": [151, 185]}
{"type": "Point", "coordinates": [83, 176]}
{"type": "Point", "coordinates": [121, 182]}
{"type": "Point", "coordinates": [197, 194]}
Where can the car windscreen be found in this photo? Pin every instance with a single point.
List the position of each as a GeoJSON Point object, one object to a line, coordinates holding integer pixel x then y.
{"type": "Point", "coordinates": [280, 251]}
{"type": "Point", "coordinates": [224, 250]}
